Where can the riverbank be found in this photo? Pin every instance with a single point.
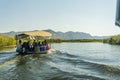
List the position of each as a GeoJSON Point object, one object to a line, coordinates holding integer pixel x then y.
{"type": "Point", "coordinates": [6, 41]}
{"type": "Point", "coordinates": [7, 47]}
{"type": "Point", "coordinates": [113, 40]}
{"type": "Point", "coordinates": [76, 40]}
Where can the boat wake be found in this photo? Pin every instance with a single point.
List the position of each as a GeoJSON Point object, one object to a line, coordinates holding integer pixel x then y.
{"type": "Point", "coordinates": [100, 71]}
{"type": "Point", "coordinates": [58, 66]}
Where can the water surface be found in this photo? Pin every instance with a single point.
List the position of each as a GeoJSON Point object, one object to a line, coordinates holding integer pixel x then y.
{"type": "Point", "coordinates": [70, 61]}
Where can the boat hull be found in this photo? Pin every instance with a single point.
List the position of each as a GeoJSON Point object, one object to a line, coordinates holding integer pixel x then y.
{"type": "Point", "coordinates": [27, 53]}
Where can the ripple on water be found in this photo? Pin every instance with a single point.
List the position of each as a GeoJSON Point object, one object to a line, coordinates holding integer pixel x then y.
{"type": "Point", "coordinates": [62, 65]}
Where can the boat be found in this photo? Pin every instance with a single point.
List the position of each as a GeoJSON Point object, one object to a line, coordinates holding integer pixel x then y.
{"type": "Point", "coordinates": [32, 52]}
{"type": "Point", "coordinates": [33, 35]}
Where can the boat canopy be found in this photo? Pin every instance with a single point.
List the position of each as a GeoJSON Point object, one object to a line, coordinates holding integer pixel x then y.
{"type": "Point", "coordinates": [39, 34]}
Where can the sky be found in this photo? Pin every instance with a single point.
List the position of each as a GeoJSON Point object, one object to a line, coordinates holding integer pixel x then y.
{"type": "Point", "coordinates": [96, 17]}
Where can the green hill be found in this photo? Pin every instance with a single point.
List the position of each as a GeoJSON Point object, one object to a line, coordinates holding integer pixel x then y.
{"type": "Point", "coordinates": [6, 40]}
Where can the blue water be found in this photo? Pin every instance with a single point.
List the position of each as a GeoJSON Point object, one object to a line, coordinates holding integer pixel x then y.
{"type": "Point", "coordinates": [68, 61]}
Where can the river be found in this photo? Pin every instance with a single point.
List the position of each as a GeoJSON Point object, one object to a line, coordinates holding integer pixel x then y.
{"type": "Point", "coordinates": [69, 61]}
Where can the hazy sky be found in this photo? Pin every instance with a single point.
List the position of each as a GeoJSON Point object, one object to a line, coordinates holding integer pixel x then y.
{"type": "Point", "coordinates": [96, 17]}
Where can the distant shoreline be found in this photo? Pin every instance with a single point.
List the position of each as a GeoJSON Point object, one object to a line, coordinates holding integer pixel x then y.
{"type": "Point", "coordinates": [113, 40]}
{"type": "Point", "coordinates": [60, 41]}
{"type": "Point", "coordinates": [4, 47]}
{"type": "Point", "coordinates": [7, 47]}
{"type": "Point", "coordinates": [76, 40]}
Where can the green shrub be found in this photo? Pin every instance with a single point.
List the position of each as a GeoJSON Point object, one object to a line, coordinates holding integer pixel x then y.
{"type": "Point", "coordinates": [6, 40]}
{"type": "Point", "coordinates": [113, 40]}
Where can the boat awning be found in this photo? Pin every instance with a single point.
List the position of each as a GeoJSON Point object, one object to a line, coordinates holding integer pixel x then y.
{"type": "Point", "coordinates": [38, 33]}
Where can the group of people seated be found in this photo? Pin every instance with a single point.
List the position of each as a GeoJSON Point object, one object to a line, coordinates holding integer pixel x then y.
{"type": "Point", "coordinates": [35, 47]}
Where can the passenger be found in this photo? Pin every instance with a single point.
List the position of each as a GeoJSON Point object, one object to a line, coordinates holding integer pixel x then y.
{"type": "Point", "coordinates": [28, 46]}
{"type": "Point", "coordinates": [46, 45]}
{"type": "Point", "coordinates": [36, 48]}
{"type": "Point", "coordinates": [43, 47]}
{"type": "Point", "coordinates": [39, 44]}
{"type": "Point", "coordinates": [19, 46]}
{"type": "Point", "coordinates": [24, 47]}
{"type": "Point", "coordinates": [34, 44]}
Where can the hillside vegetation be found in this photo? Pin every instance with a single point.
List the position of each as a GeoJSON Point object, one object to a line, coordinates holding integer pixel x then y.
{"type": "Point", "coordinates": [76, 40]}
{"type": "Point", "coordinates": [113, 40]}
{"type": "Point", "coordinates": [6, 40]}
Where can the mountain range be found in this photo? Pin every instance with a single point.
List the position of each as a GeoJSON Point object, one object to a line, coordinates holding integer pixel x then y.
{"type": "Point", "coordinates": [65, 36]}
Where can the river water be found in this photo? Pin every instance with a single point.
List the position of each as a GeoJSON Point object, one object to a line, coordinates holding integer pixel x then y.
{"type": "Point", "coordinates": [68, 61]}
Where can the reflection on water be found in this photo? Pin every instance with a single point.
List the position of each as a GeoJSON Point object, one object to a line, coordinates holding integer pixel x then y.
{"type": "Point", "coordinates": [11, 48]}
{"type": "Point", "coordinates": [73, 61]}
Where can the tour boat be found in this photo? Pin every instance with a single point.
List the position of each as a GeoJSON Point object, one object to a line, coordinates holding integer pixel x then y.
{"type": "Point", "coordinates": [33, 35]}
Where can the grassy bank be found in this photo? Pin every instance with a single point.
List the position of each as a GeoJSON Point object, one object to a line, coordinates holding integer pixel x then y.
{"type": "Point", "coordinates": [113, 40]}
{"type": "Point", "coordinates": [77, 40]}
{"type": "Point", "coordinates": [6, 41]}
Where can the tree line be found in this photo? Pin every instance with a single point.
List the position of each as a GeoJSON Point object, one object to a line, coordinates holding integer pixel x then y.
{"type": "Point", "coordinates": [6, 40]}
{"type": "Point", "coordinates": [73, 40]}
{"type": "Point", "coordinates": [113, 40]}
